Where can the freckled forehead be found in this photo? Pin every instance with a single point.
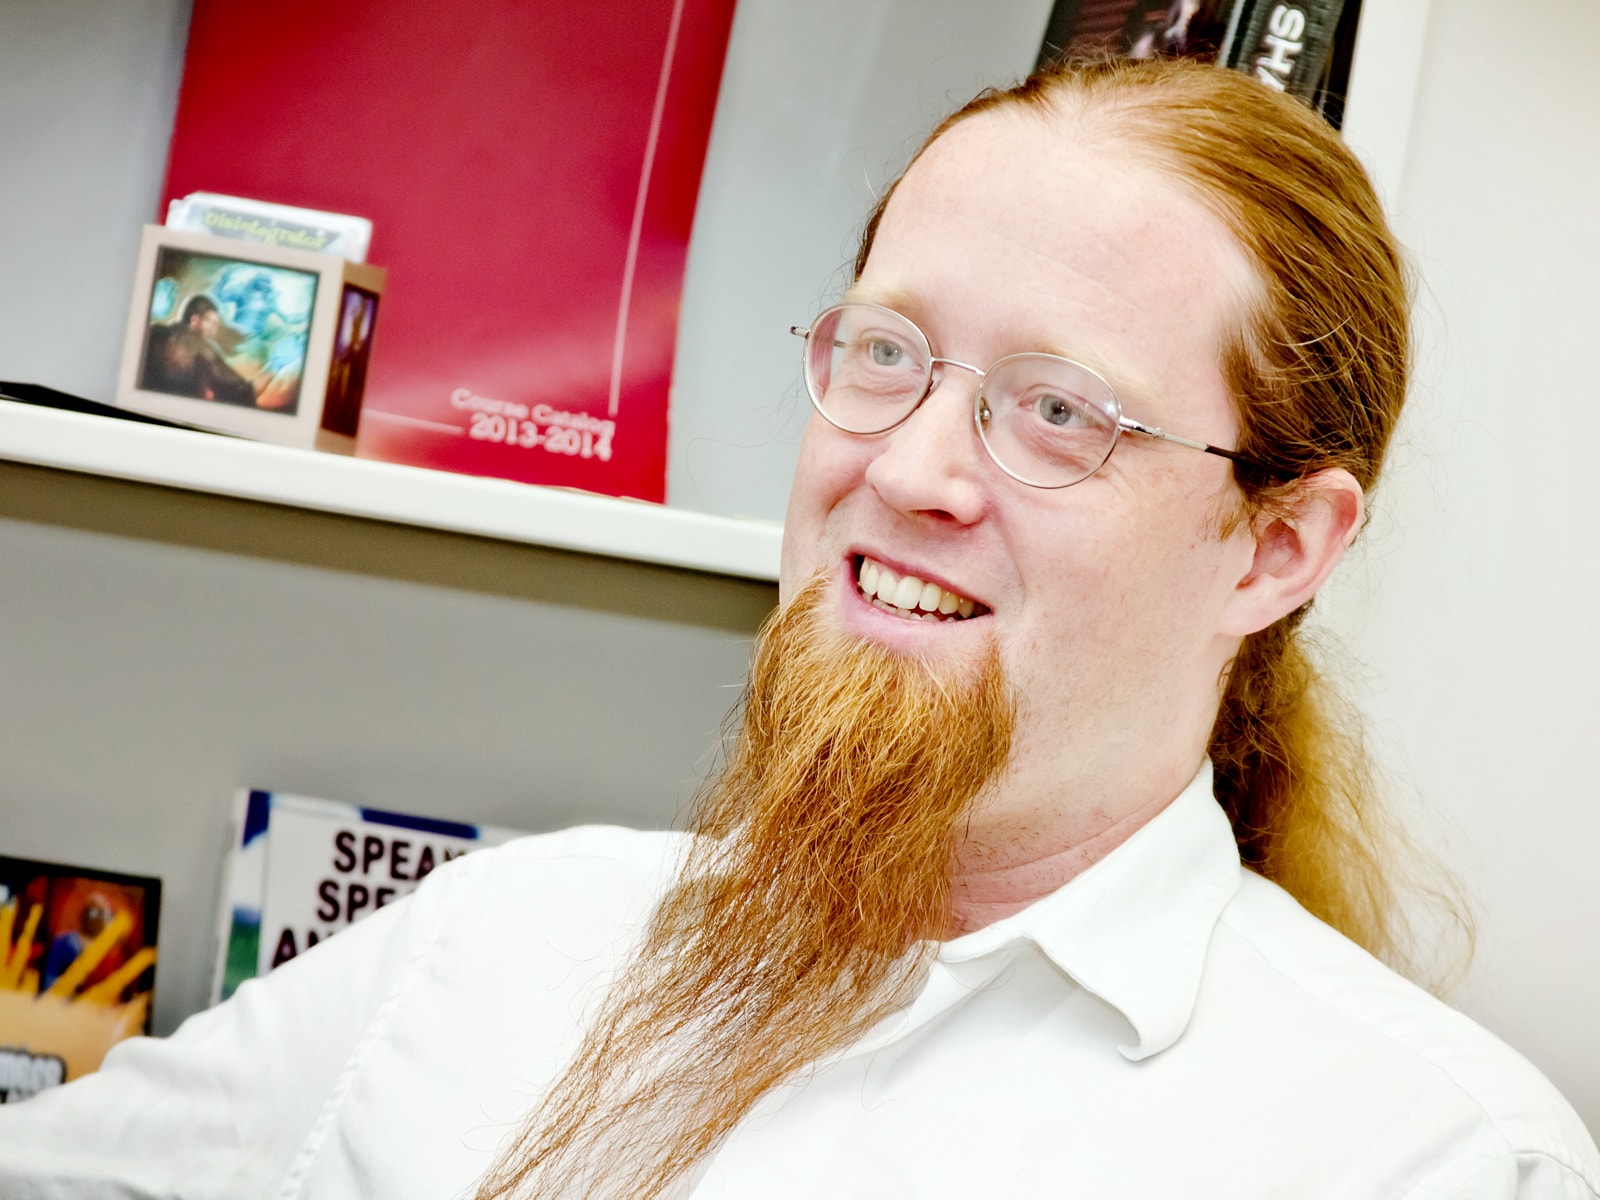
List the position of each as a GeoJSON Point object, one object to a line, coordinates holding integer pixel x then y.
{"type": "Point", "coordinates": [1057, 183]}
{"type": "Point", "coordinates": [1021, 230]}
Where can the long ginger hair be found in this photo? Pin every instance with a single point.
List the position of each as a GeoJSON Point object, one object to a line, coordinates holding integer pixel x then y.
{"type": "Point", "coordinates": [1318, 370]}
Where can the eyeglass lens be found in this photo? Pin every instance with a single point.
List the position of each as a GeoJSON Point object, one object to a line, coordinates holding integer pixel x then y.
{"type": "Point", "coordinates": [1045, 420]}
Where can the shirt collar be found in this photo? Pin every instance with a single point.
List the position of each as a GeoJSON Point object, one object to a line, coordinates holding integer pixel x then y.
{"type": "Point", "coordinates": [1134, 927]}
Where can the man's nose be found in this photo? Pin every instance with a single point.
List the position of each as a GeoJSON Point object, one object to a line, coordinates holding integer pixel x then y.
{"type": "Point", "coordinates": [933, 463]}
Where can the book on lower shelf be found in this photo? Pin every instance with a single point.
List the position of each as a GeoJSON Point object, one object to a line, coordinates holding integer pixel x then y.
{"type": "Point", "coordinates": [77, 969]}
{"type": "Point", "coordinates": [302, 869]}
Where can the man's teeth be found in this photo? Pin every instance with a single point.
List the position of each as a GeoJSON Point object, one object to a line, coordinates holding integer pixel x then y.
{"type": "Point", "coordinates": [908, 595]}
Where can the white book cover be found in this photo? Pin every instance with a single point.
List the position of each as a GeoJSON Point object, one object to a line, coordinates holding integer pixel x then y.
{"type": "Point", "coordinates": [302, 869]}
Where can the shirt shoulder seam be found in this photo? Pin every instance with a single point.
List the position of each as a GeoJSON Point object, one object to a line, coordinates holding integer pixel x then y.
{"type": "Point", "coordinates": [1508, 1146]}
{"type": "Point", "coordinates": [1552, 1146]}
{"type": "Point", "coordinates": [1431, 1188]}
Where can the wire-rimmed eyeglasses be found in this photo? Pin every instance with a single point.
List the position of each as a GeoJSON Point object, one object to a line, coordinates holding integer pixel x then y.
{"type": "Point", "coordinates": [1047, 421]}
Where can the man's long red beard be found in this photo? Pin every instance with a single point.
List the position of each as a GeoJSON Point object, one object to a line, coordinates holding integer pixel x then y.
{"type": "Point", "coordinates": [818, 872]}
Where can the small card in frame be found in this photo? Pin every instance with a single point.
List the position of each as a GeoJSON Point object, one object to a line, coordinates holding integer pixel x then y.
{"type": "Point", "coordinates": [259, 341]}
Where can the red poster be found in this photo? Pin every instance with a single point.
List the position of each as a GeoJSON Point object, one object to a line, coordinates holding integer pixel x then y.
{"type": "Point", "coordinates": [530, 168]}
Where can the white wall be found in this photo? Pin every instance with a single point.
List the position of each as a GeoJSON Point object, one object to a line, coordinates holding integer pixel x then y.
{"type": "Point", "coordinates": [1476, 605]}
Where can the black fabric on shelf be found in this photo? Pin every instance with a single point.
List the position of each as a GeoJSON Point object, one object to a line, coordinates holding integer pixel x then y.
{"type": "Point", "coordinates": [45, 397]}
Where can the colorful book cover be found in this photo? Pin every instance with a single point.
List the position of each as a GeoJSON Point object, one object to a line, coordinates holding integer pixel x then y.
{"type": "Point", "coordinates": [1301, 47]}
{"type": "Point", "coordinates": [272, 224]}
{"type": "Point", "coordinates": [530, 169]}
{"type": "Point", "coordinates": [1196, 29]}
{"type": "Point", "coordinates": [1287, 46]}
{"type": "Point", "coordinates": [302, 869]}
{"type": "Point", "coordinates": [77, 969]}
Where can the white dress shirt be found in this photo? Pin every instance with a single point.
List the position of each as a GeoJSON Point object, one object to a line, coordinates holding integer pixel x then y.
{"type": "Point", "coordinates": [1166, 1025]}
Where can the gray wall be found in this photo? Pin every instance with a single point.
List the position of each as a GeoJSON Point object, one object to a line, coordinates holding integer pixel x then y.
{"type": "Point", "coordinates": [87, 92]}
{"type": "Point", "coordinates": [159, 650]}
{"type": "Point", "coordinates": [821, 105]}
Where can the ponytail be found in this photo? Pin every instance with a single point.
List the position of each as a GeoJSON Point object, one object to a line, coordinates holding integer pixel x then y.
{"type": "Point", "coordinates": [1291, 771]}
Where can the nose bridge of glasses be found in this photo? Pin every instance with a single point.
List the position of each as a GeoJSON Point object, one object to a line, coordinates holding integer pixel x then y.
{"type": "Point", "coordinates": [937, 427]}
{"type": "Point", "coordinates": [936, 367]}
{"type": "Point", "coordinates": [936, 361]}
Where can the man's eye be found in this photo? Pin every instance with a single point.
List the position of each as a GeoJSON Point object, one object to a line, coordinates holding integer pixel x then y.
{"type": "Point", "coordinates": [1058, 410]}
{"type": "Point", "coordinates": [885, 353]}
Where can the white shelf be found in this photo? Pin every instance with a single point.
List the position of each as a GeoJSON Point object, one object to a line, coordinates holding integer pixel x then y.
{"type": "Point", "coordinates": [357, 487]}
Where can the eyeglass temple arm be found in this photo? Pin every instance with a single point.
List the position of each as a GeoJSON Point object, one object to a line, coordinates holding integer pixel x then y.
{"type": "Point", "coordinates": [1129, 425]}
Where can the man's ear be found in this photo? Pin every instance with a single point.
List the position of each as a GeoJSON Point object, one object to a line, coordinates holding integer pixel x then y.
{"type": "Point", "coordinates": [1298, 542]}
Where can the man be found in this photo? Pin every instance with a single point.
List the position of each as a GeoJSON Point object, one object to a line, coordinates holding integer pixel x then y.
{"type": "Point", "coordinates": [964, 914]}
{"type": "Point", "coordinates": [182, 358]}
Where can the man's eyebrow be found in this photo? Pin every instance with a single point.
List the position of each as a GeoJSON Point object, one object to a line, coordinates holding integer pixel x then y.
{"type": "Point", "coordinates": [1133, 390]}
{"type": "Point", "coordinates": [1129, 386]}
{"type": "Point", "coordinates": [893, 298]}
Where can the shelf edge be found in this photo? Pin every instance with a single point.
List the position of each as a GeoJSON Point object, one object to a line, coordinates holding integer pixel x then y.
{"type": "Point", "coordinates": [495, 508]}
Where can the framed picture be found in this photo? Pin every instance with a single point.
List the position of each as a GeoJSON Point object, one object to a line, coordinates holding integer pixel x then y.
{"type": "Point", "coordinates": [352, 346]}
{"type": "Point", "coordinates": [254, 340]}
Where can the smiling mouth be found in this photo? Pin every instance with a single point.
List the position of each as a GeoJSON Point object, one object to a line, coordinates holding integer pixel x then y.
{"type": "Point", "coordinates": [909, 597]}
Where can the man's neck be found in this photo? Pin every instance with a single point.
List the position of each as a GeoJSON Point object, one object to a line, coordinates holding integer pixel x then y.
{"type": "Point", "coordinates": [1003, 866]}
